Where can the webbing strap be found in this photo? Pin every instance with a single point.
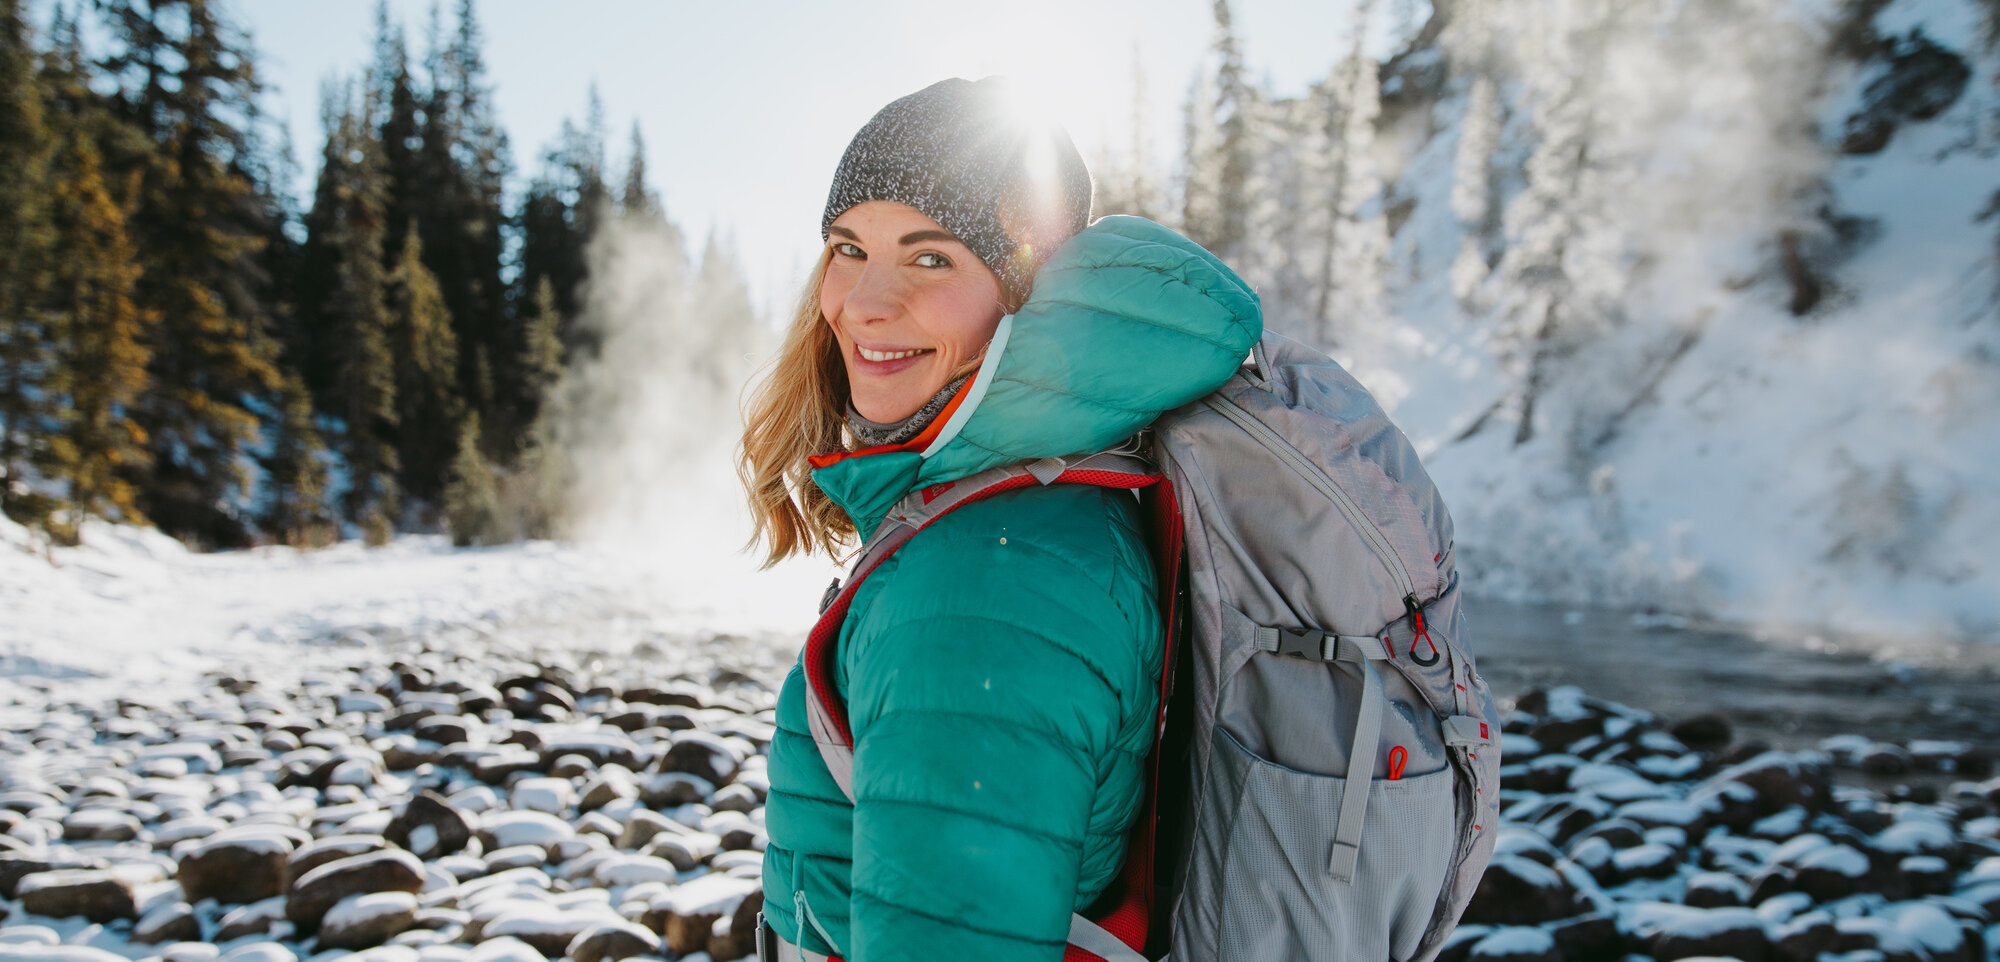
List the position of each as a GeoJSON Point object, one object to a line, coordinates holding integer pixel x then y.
{"type": "Point", "coordinates": [1360, 761]}
{"type": "Point", "coordinates": [785, 951]}
{"type": "Point", "coordinates": [1092, 938]}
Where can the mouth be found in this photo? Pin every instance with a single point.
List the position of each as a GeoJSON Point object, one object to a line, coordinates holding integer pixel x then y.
{"type": "Point", "coordinates": [882, 361]}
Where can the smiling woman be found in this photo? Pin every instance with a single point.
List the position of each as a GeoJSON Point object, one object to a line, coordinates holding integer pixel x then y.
{"type": "Point", "coordinates": [910, 306]}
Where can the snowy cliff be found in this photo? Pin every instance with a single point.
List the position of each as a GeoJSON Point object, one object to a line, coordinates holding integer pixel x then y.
{"type": "Point", "coordinates": [1689, 305]}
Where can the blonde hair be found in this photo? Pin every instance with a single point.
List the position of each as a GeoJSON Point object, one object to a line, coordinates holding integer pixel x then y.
{"type": "Point", "coordinates": [797, 410]}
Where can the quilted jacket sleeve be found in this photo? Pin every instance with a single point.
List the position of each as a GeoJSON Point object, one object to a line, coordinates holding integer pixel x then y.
{"type": "Point", "coordinates": [1002, 700]}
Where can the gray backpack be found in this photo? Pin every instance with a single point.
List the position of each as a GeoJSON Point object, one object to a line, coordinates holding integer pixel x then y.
{"type": "Point", "coordinates": [1341, 780]}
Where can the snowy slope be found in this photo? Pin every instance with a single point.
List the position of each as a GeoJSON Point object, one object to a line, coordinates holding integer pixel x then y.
{"type": "Point", "coordinates": [1697, 447]}
{"type": "Point", "coordinates": [133, 606]}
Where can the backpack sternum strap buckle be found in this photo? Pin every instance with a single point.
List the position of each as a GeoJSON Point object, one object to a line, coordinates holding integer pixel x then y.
{"type": "Point", "coordinates": [1321, 645]}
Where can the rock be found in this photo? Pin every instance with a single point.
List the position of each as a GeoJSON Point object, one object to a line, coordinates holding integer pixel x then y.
{"type": "Point", "coordinates": [702, 755]}
{"type": "Point", "coordinates": [190, 952]}
{"type": "Point", "coordinates": [318, 890]}
{"type": "Point", "coordinates": [684, 852]}
{"type": "Point", "coordinates": [504, 950]}
{"type": "Point", "coordinates": [1831, 872]}
{"type": "Point", "coordinates": [1650, 860]}
{"type": "Point", "coordinates": [623, 870]}
{"type": "Point", "coordinates": [360, 921]}
{"type": "Point", "coordinates": [1922, 79]}
{"type": "Point", "coordinates": [673, 789]}
{"type": "Point", "coordinates": [235, 867]}
{"type": "Point", "coordinates": [549, 795]}
{"type": "Point", "coordinates": [29, 935]}
{"type": "Point", "coordinates": [613, 941]}
{"type": "Point", "coordinates": [259, 952]}
{"type": "Point", "coordinates": [1736, 933]}
{"type": "Point", "coordinates": [1704, 733]}
{"type": "Point", "coordinates": [1515, 891]}
{"type": "Point", "coordinates": [429, 826]}
{"type": "Point", "coordinates": [516, 856]}
{"type": "Point", "coordinates": [1458, 945]}
{"type": "Point", "coordinates": [444, 729]}
{"type": "Point", "coordinates": [605, 787]}
{"type": "Point", "coordinates": [1779, 779]}
{"type": "Point", "coordinates": [505, 829]}
{"type": "Point", "coordinates": [549, 929]}
{"type": "Point", "coordinates": [96, 894]}
{"type": "Point", "coordinates": [734, 798]}
{"type": "Point", "coordinates": [1885, 760]}
{"type": "Point", "coordinates": [740, 939]}
{"type": "Point", "coordinates": [253, 919]}
{"type": "Point", "coordinates": [14, 868]}
{"type": "Point", "coordinates": [169, 922]}
{"type": "Point", "coordinates": [1712, 890]}
{"type": "Point", "coordinates": [333, 848]}
{"type": "Point", "coordinates": [100, 825]}
{"type": "Point", "coordinates": [1515, 943]}
{"type": "Point", "coordinates": [57, 953]}
{"type": "Point", "coordinates": [1587, 937]}
{"type": "Point", "coordinates": [1804, 937]}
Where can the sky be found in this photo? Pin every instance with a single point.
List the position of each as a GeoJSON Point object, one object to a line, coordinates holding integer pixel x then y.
{"type": "Point", "coordinates": [746, 107]}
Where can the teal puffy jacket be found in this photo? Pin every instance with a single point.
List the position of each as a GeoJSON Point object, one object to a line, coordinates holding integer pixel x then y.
{"type": "Point", "coordinates": [1001, 670]}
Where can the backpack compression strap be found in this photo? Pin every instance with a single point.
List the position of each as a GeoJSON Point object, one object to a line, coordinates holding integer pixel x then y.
{"type": "Point", "coordinates": [827, 716]}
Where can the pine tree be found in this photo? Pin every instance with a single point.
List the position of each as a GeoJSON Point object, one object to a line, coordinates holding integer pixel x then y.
{"type": "Point", "coordinates": [541, 362]}
{"type": "Point", "coordinates": [472, 500]}
{"type": "Point", "coordinates": [1218, 142]}
{"type": "Point", "coordinates": [1356, 244]}
{"type": "Point", "coordinates": [200, 221]}
{"type": "Point", "coordinates": [103, 335]}
{"type": "Point", "coordinates": [426, 352]}
{"type": "Point", "coordinates": [1563, 189]}
{"type": "Point", "coordinates": [27, 235]}
{"type": "Point", "coordinates": [1472, 188]}
{"type": "Point", "coordinates": [344, 303]}
{"type": "Point", "coordinates": [637, 200]}
{"type": "Point", "coordinates": [463, 171]}
{"type": "Point", "coordinates": [396, 104]}
{"type": "Point", "coordinates": [297, 477]}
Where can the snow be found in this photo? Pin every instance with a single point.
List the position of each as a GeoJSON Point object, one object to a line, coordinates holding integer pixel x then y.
{"type": "Point", "coordinates": [513, 828]}
{"type": "Point", "coordinates": [132, 603]}
{"type": "Point", "coordinates": [359, 909]}
{"type": "Point", "coordinates": [423, 838]}
{"type": "Point", "coordinates": [714, 894]}
{"type": "Point", "coordinates": [1519, 940]}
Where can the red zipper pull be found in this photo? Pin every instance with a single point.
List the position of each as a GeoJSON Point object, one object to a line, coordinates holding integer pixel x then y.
{"type": "Point", "coordinates": [1416, 611]}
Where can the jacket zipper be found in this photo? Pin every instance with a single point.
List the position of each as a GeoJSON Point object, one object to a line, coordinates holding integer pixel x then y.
{"type": "Point", "coordinates": [1298, 462]}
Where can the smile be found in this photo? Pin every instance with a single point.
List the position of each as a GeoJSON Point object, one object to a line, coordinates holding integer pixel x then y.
{"type": "Point", "coordinates": [873, 355]}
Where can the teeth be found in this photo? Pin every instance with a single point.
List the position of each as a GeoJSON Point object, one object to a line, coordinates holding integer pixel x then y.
{"type": "Point", "coordinates": [887, 355]}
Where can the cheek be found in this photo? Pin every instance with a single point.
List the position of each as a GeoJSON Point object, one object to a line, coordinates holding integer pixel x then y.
{"type": "Point", "coordinates": [833, 290]}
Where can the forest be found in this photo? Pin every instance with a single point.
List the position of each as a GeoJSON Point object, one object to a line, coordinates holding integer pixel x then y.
{"type": "Point", "coordinates": [184, 345]}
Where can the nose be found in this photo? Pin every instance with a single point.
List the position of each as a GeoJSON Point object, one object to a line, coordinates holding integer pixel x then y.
{"type": "Point", "coordinates": [875, 295]}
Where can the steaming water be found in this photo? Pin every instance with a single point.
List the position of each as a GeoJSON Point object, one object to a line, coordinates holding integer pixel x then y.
{"type": "Point", "coordinates": [1788, 689]}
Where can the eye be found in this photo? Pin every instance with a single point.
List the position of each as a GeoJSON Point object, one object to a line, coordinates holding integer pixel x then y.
{"type": "Point", "coordinates": [932, 259]}
{"type": "Point", "coordinates": [846, 249]}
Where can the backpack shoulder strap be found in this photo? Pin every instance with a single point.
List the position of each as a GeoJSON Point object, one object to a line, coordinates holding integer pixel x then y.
{"type": "Point", "coordinates": [826, 714]}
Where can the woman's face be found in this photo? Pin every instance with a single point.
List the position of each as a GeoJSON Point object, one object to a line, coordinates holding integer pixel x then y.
{"type": "Point", "coordinates": [909, 304]}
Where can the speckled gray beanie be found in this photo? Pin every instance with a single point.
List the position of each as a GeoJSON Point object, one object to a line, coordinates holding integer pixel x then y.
{"type": "Point", "coordinates": [956, 152]}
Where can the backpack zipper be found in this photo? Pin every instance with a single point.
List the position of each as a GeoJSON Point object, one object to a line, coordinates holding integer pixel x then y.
{"type": "Point", "coordinates": [1298, 462]}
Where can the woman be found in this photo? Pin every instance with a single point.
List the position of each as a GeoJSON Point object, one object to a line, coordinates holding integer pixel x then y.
{"type": "Point", "coordinates": [1000, 671]}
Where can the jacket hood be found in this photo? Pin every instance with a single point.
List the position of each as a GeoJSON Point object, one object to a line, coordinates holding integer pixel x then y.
{"type": "Point", "coordinates": [1127, 320]}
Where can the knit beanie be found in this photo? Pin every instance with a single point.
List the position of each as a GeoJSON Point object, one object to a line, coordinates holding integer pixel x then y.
{"type": "Point", "coordinates": [1012, 189]}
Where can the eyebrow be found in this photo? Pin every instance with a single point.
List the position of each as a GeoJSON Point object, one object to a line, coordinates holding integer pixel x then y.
{"type": "Point", "coordinates": [914, 237]}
